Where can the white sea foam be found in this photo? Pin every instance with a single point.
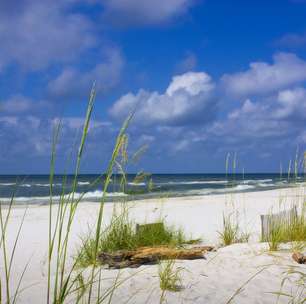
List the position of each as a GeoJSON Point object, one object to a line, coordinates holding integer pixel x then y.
{"type": "Point", "coordinates": [87, 195]}
{"type": "Point", "coordinates": [47, 185]}
{"type": "Point", "coordinates": [223, 190]}
{"type": "Point", "coordinates": [236, 188]}
{"type": "Point", "coordinates": [222, 182]}
{"type": "Point", "coordinates": [136, 184]}
{"type": "Point", "coordinates": [265, 185]}
{"type": "Point", "coordinates": [201, 192]}
{"type": "Point", "coordinates": [41, 184]}
{"type": "Point", "coordinates": [256, 181]}
{"type": "Point", "coordinates": [243, 187]}
{"type": "Point", "coordinates": [194, 182]}
{"type": "Point", "coordinates": [83, 183]}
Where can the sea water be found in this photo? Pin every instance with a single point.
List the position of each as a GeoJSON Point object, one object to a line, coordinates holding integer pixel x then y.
{"type": "Point", "coordinates": [36, 188]}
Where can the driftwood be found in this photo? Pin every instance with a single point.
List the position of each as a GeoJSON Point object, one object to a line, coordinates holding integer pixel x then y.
{"type": "Point", "coordinates": [150, 255]}
{"type": "Point", "coordinates": [299, 257]}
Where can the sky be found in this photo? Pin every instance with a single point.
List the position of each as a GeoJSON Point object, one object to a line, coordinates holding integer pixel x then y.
{"type": "Point", "coordinates": [205, 78]}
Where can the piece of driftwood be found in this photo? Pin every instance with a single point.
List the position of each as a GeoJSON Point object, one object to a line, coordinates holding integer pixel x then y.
{"type": "Point", "coordinates": [299, 257]}
{"type": "Point", "coordinates": [150, 255]}
{"type": "Point", "coordinates": [270, 220]}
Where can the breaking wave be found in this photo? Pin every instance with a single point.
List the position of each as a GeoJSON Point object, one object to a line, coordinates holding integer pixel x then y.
{"type": "Point", "coordinates": [87, 195]}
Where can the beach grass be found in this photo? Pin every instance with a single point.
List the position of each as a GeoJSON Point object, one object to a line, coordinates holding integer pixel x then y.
{"type": "Point", "coordinates": [121, 234]}
{"type": "Point", "coordinates": [8, 255]}
{"type": "Point", "coordinates": [284, 231]}
{"type": "Point", "coordinates": [296, 295]}
{"type": "Point", "coordinates": [170, 278]}
{"type": "Point", "coordinates": [67, 283]}
{"type": "Point", "coordinates": [231, 232]}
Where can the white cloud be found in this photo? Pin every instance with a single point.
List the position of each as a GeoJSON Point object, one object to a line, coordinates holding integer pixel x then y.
{"type": "Point", "coordinates": [148, 12]}
{"type": "Point", "coordinates": [292, 104]}
{"type": "Point", "coordinates": [192, 83]}
{"type": "Point", "coordinates": [35, 33]}
{"type": "Point", "coordinates": [75, 83]}
{"type": "Point", "coordinates": [19, 104]}
{"type": "Point", "coordinates": [271, 116]}
{"type": "Point", "coordinates": [274, 119]}
{"type": "Point", "coordinates": [188, 97]}
{"type": "Point", "coordinates": [21, 134]}
{"type": "Point", "coordinates": [15, 104]}
{"type": "Point", "coordinates": [264, 78]}
{"type": "Point", "coordinates": [75, 123]}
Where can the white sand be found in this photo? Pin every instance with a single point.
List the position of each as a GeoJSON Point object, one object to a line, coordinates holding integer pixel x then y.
{"type": "Point", "coordinates": [213, 280]}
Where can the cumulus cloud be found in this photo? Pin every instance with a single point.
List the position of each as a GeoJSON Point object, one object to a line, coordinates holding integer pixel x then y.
{"type": "Point", "coordinates": [263, 78]}
{"type": "Point", "coordinates": [291, 104]}
{"type": "Point", "coordinates": [72, 82]}
{"type": "Point", "coordinates": [273, 120]}
{"type": "Point", "coordinates": [35, 33]}
{"type": "Point", "coordinates": [189, 97]}
{"type": "Point", "coordinates": [250, 121]}
{"type": "Point", "coordinates": [149, 12]}
{"type": "Point", "coordinates": [271, 114]}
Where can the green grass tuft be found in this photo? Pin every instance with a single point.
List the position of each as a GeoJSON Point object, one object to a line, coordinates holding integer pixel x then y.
{"type": "Point", "coordinates": [231, 232]}
{"type": "Point", "coordinates": [122, 235]}
{"type": "Point", "coordinates": [169, 277]}
{"type": "Point", "coordinates": [284, 231]}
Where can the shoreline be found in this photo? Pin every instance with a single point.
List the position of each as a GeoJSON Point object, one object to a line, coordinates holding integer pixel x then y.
{"type": "Point", "coordinates": [137, 198]}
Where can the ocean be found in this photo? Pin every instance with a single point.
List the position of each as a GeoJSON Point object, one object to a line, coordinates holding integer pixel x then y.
{"type": "Point", "coordinates": [35, 189]}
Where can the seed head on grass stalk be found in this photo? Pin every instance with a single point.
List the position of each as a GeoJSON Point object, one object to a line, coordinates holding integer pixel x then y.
{"type": "Point", "coordinates": [119, 142]}
{"type": "Point", "coordinates": [61, 231]}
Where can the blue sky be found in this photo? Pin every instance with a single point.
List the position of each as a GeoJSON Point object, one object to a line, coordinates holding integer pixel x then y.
{"type": "Point", "coordinates": [207, 78]}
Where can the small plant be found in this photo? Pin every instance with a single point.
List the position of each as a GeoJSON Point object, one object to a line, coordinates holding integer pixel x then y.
{"type": "Point", "coordinates": [169, 276]}
{"type": "Point", "coordinates": [276, 235]}
{"type": "Point", "coordinates": [286, 230]}
{"type": "Point", "coordinates": [159, 234]}
{"type": "Point", "coordinates": [118, 235]}
{"type": "Point", "coordinates": [231, 232]}
{"type": "Point", "coordinates": [297, 228]}
{"type": "Point", "coordinates": [121, 235]}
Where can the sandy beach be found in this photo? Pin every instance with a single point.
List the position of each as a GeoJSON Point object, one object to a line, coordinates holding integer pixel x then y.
{"type": "Point", "coordinates": [213, 280]}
